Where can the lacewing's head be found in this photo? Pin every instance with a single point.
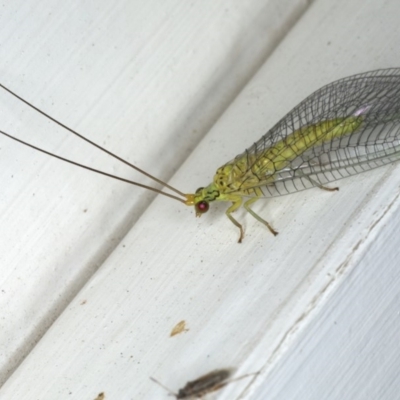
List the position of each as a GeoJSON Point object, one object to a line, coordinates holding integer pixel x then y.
{"type": "Point", "coordinates": [201, 199]}
{"type": "Point", "coordinates": [202, 205]}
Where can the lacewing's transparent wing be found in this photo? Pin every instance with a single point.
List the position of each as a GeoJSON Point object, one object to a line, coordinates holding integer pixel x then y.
{"type": "Point", "coordinates": [368, 103]}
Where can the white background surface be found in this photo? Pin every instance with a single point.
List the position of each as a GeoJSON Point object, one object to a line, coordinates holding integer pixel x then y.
{"type": "Point", "coordinates": [95, 274]}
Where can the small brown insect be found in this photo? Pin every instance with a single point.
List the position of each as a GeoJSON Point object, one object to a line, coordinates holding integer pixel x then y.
{"type": "Point", "coordinates": [208, 383]}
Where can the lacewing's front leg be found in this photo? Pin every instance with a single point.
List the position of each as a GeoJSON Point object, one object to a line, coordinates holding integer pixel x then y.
{"type": "Point", "coordinates": [236, 203]}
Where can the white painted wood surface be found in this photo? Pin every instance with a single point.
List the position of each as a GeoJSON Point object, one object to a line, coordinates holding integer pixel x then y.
{"type": "Point", "coordinates": [350, 350]}
{"type": "Point", "coordinates": [149, 81]}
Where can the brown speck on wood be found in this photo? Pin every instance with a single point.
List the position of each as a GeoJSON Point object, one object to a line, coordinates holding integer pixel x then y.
{"type": "Point", "coordinates": [179, 328]}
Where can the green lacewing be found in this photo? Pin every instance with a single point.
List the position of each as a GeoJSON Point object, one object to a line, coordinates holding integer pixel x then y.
{"type": "Point", "coordinates": [345, 128]}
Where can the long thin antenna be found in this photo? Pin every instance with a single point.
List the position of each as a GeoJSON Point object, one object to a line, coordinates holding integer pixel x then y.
{"type": "Point", "coordinates": [92, 143]}
{"type": "Point", "coordinates": [92, 169]}
{"type": "Point", "coordinates": [163, 386]}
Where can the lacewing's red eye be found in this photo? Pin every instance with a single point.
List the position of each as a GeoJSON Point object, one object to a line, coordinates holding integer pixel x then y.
{"type": "Point", "coordinates": [202, 207]}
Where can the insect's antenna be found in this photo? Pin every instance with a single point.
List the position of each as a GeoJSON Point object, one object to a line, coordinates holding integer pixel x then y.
{"type": "Point", "coordinates": [92, 143]}
{"type": "Point", "coordinates": [92, 169]}
{"type": "Point", "coordinates": [171, 393]}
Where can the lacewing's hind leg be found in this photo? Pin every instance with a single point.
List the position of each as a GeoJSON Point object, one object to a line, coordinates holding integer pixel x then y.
{"type": "Point", "coordinates": [317, 184]}
{"type": "Point", "coordinates": [328, 189]}
{"type": "Point", "coordinates": [256, 216]}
